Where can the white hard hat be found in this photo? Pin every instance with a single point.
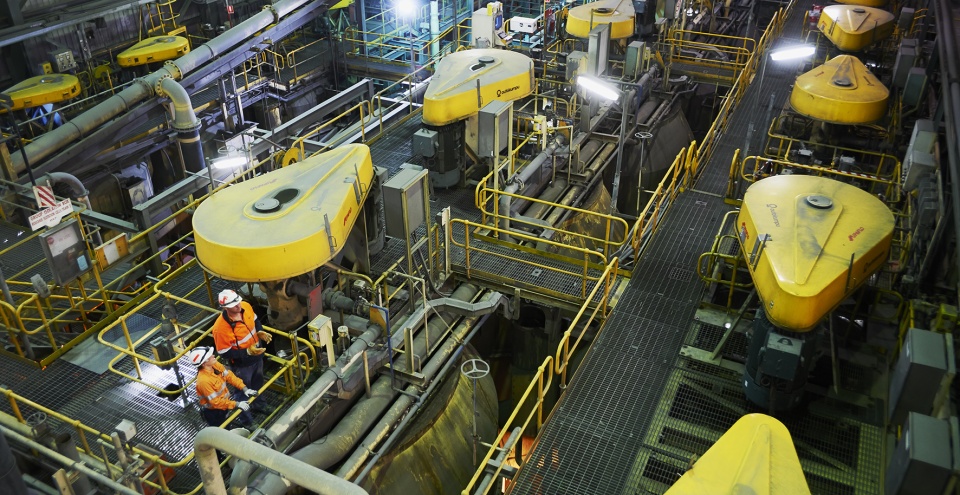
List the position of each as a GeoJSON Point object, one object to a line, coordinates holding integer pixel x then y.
{"type": "Point", "coordinates": [228, 298]}
{"type": "Point", "coordinates": [199, 355]}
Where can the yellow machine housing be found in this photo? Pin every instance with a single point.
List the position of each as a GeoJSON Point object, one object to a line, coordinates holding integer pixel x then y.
{"type": "Point", "coordinates": [287, 222]}
{"type": "Point", "coordinates": [619, 14]}
{"type": "Point", "coordinates": [153, 49]}
{"type": "Point", "coordinates": [756, 456]}
{"type": "Point", "coordinates": [40, 90]}
{"type": "Point", "coordinates": [841, 91]}
{"type": "Point", "coordinates": [853, 27]}
{"type": "Point", "coordinates": [824, 239]}
{"type": "Point", "coordinates": [454, 94]}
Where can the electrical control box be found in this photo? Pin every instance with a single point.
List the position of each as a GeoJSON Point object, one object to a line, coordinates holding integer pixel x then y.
{"type": "Point", "coordinates": [494, 128]}
{"type": "Point", "coordinates": [525, 25]}
{"type": "Point", "coordinates": [404, 200]}
{"type": "Point", "coordinates": [488, 28]}
{"type": "Point", "coordinates": [924, 457]}
{"type": "Point", "coordinates": [63, 61]}
{"type": "Point", "coordinates": [924, 368]}
{"type": "Point", "coordinates": [426, 142]}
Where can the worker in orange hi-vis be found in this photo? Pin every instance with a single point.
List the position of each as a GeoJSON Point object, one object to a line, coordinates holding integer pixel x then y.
{"type": "Point", "coordinates": [216, 402]}
{"type": "Point", "coordinates": [238, 335]}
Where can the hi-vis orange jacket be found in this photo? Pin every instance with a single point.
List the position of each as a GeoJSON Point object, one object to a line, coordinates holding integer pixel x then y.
{"type": "Point", "coordinates": [212, 387]}
{"type": "Point", "coordinates": [232, 338]}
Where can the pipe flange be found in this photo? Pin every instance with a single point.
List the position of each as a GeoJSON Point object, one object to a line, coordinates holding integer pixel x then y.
{"type": "Point", "coordinates": [146, 85]}
{"type": "Point", "coordinates": [276, 15]}
{"type": "Point", "coordinates": [157, 89]}
{"type": "Point", "coordinates": [173, 69]}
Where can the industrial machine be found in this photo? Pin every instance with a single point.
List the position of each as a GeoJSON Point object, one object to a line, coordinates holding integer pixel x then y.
{"type": "Point", "coordinates": [618, 14]}
{"type": "Point", "coordinates": [463, 83]}
{"type": "Point", "coordinates": [41, 90]}
{"type": "Point", "coordinates": [852, 27]}
{"type": "Point", "coordinates": [841, 91]}
{"type": "Point", "coordinates": [292, 222]}
{"type": "Point", "coordinates": [153, 49]}
{"type": "Point", "coordinates": [809, 243]}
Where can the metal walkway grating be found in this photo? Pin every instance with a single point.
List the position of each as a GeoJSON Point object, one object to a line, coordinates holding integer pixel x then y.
{"type": "Point", "coordinates": [635, 412]}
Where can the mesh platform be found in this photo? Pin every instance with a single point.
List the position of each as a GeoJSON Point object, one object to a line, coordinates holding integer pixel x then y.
{"type": "Point", "coordinates": [635, 412]}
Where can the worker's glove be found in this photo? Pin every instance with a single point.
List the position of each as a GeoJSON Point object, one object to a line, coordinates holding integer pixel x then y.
{"type": "Point", "coordinates": [255, 351]}
{"type": "Point", "coordinates": [243, 406]}
{"type": "Point", "coordinates": [249, 392]}
{"type": "Point", "coordinates": [265, 337]}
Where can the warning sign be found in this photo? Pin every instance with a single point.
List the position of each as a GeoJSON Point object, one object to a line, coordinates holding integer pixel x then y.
{"type": "Point", "coordinates": [44, 196]}
{"type": "Point", "coordinates": [50, 216]}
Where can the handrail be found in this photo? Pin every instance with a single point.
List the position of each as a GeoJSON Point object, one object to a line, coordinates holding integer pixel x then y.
{"type": "Point", "coordinates": [652, 214]}
{"type": "Point", "coordinates": [763, 167]}
{"type": "Point", "coordinates": [564, 351]}
{"type": "Point", "coordinates": [471, 228]}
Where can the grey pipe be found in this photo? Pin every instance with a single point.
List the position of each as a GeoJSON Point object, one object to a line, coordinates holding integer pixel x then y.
{"type": "Point", "coordinates": [327, 451]}
{"type": "Point", "coordinates": [184, 122]}
{"type": "Point", "coordinates": [518, 180]}
{"type": "Point", "coordinates": [145, 87]}
{"type": "Point", "coordinates": [484, 485]}
{"type": "Point", "coordinates": [40, 486]}
{"type": "Point", "coordinates": [67, 447]}
{"type": "Point", "coordinates": [80, 193]}
{"type": "Point", "coordinates": [211, 439]}
{"type": "Point", "coordinates": [399, 410]}
{"type": "Point", "coordinates": [69, 464]}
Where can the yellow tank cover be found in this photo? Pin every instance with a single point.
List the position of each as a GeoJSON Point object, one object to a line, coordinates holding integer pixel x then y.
{"type": "Point", "coordinates": [619, 14]}
{"type": "Point", "coordinates": [40, 90]}
{"type": "Point", "coordinates": [865, 3]}
{"type": "Point", "coordinates": [825, 238]}
{"type": "Point", "coordinates": [841, 91]}
{"type": "Point", "coordinates": [756, 456]}
{"type": "Point", "coordinates": [287, 222]}
{"type": "Point", "coordinates": [153, 49]}
{"type": "Point", "coordinates": [853, 27]}
{"type": "Point", "coordinates": [494, 74]}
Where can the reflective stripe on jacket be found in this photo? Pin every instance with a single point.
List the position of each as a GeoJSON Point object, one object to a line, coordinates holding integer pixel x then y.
{"type": "Point", "coordinates": [212, 387]}
{"type": "Point", "coordinates": [238, 335]}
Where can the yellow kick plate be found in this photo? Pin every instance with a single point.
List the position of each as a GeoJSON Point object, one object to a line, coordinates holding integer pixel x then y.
{"type": "Point", "coordinates": [466, 81]}
{"type": "Point", "coordinates": [40, 90]}
{"type": "Point", "coordinates": [853, 27]}
{"type": "Point", "coordinates": [824, 238]}
{"type": "Point", "coordinates": [286, 222]}
{"type": "Point", "coordinates": [154, 49]}
{"type": "Point", "coordinates": [841, 91]}
{"type": "Point", "coordinates": [756, 456]}
{"type": "Point", "coordinates": [619, 14]}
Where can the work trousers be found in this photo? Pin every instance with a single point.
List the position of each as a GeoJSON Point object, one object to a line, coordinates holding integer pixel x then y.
{"type": "Point", "coordinates": [216, 417]}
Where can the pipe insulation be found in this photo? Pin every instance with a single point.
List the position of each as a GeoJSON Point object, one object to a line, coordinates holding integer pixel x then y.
{"type": "Point", "coordinates": [146, 87]}
{"type": "Point", "coordinates": [211, 439]}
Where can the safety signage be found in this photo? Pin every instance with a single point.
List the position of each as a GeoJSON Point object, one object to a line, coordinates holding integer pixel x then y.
{"type": "Point", "coordinates": [44, 196]}
{"type": "Point", "coordinates": [50, 216]}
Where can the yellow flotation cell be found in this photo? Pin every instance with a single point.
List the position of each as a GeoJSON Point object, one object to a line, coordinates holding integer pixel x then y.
{"type": "Point", "coordinates": [824, 238]}
{"type": "Point", "coordinates": [756, 456]}
{"type": "Point", "coordinates": [841, 91]}
{"type": "Point", "coordinates": [153, 49]}
{"type": "Point", "coordinates": [466, 81]}
{"type": "Point", "coordinates": [286, 222]}
{"type": "Point", "coordinates": [853, 27]}
{"type": "Point", "coordinates": [40, 90]}
{"type": "Point", "coordinates": [619, 14]}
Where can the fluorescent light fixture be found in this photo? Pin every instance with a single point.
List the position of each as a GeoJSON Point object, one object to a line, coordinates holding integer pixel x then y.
{"type": "Point", "coordinates": [229, 162]}
{"type": "Point", "coordinates": [793, 52]}
{"type": "Point", "coordinates": [405, 8]}
{"type": "Point", "coordinates": [597, 87]}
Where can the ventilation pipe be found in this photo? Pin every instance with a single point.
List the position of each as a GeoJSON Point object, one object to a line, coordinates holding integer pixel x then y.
{"type": "Point", "coordinates": [146, 87]}
{"type": "Point", "coordinates": [184, 122]}
{"type": "Point", "coordinates": [212, 438]}
{"type": "Point", "coordinates": [79, 192]}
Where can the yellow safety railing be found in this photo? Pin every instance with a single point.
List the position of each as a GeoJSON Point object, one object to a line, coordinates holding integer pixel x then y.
{"type": "Point", "coordinates": [785, 147]}
{"type": "Point", "coordinates": [88, 436]}
{"type": "Point", "coordinates": [675, 178]}
{"type": "Point", "coordinates": [754, 168]}
{"type": "Point", "coordinates": [542, 380]}
{"type": "Point", "coordinates": [733, 54]}
{"type": "Point", "coordinates": [615, 228]}
{"type": "Point", "coordinates": [712, 264]}
{"type": "Point", "coordinates": [472, 230]}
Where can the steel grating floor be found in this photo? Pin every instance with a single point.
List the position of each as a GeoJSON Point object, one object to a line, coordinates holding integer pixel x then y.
{"type": "Point", "coordinates": [635, 412]}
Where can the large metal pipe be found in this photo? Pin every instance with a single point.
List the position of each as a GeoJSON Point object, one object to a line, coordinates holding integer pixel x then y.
{"type": "Point", "coordinates": [401, 409]}
{"type": "Point", "coordinates": [11, 481]}
{"type": "Point", "coordinates": [520, 179]}
{"type": "Point", "coordinates": [67, 447]}
{"type": "Point", "coordinates": [145, 87]}
{"type": "Point", "coordinates": [211, 439]}
{"type": "Point", "coordinates": [185, 123]}
{"type": "Point", "coordinates": [338, 443]}
{"type": "Point", "coordinates": [80, 193]}
{"type": "Point", "coordinates": [67, 463]}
